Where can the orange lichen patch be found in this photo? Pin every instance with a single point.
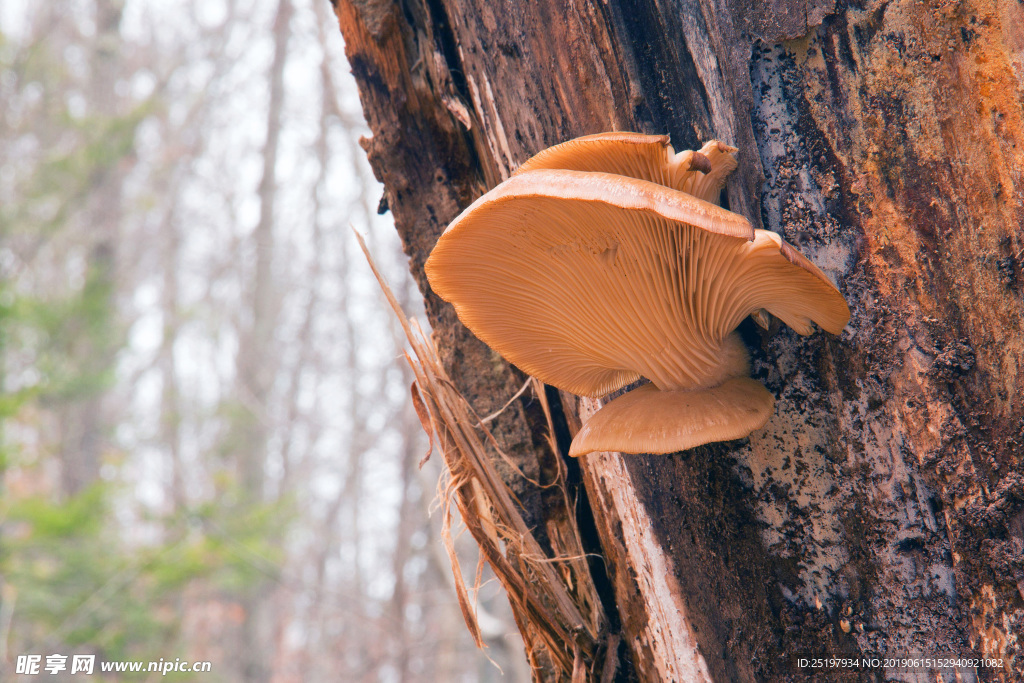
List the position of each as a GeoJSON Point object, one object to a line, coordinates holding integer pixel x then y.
{"type": "Point", "coordinates": [994, 629]}
{"type": "Point", "coordinates": [933, 169]}
{"type": "Point", "coordinates": [938, 182]}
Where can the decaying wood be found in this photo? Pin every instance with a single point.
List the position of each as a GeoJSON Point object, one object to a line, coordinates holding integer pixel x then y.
{"type": "Point", "coordinates": [882, 508]}
{"type": "Point", "coordinates": [657, 618]}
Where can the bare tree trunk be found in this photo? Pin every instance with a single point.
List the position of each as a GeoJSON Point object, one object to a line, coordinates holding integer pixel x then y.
{"type": "Point", "coordinates": [171, 403]}
{"type": "Point", "coordinates": [880, 511]}
{"type": "Point", "coordinates": [94, 346]}
{"type": "Point", "coordinates": [255, 359]}
{"type": "Point", "coordinates": [257, 364]}
{"type": "Point", "coordinates": [407, 519]}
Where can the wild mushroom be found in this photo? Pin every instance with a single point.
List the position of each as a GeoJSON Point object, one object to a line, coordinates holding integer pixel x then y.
{"type": "Point", "coordinates": [647, 157]}
{"type": "Point", "coordinates": [602, 260]}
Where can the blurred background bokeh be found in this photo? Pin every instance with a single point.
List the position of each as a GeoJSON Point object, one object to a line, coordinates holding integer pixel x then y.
{"type": "Point", "coordinates": [207, 450]}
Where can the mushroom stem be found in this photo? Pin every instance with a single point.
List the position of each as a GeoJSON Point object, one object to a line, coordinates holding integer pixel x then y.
{"type": "Point", "coordinates": [679, 369]}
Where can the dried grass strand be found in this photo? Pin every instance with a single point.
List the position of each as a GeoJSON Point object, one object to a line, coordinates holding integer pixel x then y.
{"type": "Point", "coordinates": [545, 611]}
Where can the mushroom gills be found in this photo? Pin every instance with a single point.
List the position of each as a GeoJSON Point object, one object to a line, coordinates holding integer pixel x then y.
{"type": "Point", "coordinates": [607, 258]}
{"type": "Point", "coordinates": [649, 420]}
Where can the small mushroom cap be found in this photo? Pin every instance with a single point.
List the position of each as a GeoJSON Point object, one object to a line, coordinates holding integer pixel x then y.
{"type": "Point", "coordinates": [589, 280]}
{"type": "Point", "coordinates": [645, 157]}
{"type": "Point", "coordinates": [647, 420]}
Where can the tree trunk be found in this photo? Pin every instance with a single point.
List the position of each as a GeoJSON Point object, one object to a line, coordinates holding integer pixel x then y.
{"type": "Point", "coordinates": [255, 370]}
{"type": "Point", "coordinates": [881, 511]}
{"type": "Point", "coordinates": [94, 346]}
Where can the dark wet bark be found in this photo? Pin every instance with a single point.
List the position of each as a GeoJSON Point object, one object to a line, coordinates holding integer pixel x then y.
{"type": "Point", "coordinates": [881, 511]}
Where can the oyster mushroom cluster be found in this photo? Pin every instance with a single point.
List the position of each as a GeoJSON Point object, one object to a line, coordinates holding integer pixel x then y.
{"type": "Point", "coordinates": [606, 259]}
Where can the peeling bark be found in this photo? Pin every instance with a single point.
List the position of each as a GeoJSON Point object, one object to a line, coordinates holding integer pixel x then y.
{"type": "Point", "coordinates": [656, 617]}
{"type": "Point", "coordinates": [881, 511]}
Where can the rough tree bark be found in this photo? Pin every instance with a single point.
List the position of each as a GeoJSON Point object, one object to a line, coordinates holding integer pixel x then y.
{"type": "Point", "coordinates": [881, 511]}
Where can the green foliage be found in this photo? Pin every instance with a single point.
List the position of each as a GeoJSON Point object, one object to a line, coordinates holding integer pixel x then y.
{"type": "Point", "coordinates": [69, 342]}
{"type": "Point", "coordinates": [103, 141]}
{"type": "Point", "coordinates": [82, 587]}
{"type": "Point", "coordinates": [77, 154]}
{"type": "Point", "coordinates": [79, 584]}
{"type": "Point", "coordinates": [76, 585]}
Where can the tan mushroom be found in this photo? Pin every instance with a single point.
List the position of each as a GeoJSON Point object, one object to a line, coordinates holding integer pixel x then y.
{"type": "Point", "coordinates": [589, 269]}
{"type": "Point", "coordinates": [647, 157]}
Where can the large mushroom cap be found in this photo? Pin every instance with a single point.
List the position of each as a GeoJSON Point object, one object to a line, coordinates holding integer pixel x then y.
{"type": "Point", "coordinates": [588, 280]}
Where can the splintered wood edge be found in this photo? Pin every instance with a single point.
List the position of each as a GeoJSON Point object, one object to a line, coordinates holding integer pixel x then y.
{"type": "Point", "coordinates": [667, 631]}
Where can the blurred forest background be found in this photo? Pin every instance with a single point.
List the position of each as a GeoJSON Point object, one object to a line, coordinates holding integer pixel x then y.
{"type": "Point", "coordinates": [207, 447]}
